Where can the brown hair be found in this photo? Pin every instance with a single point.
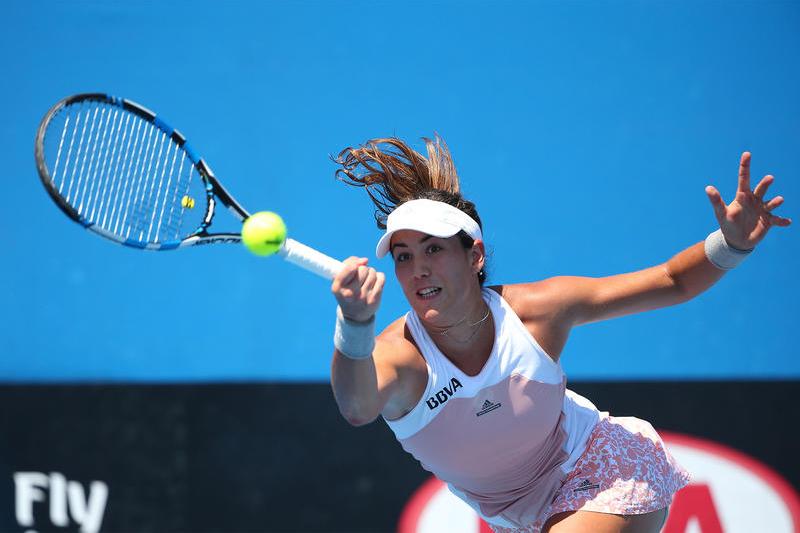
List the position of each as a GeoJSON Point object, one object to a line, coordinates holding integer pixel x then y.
{"type": "Point", "coordinates": [393, 173]}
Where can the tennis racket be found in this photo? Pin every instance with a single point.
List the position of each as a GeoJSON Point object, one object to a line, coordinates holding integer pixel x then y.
{"type": "Point", "coordinates": [117, 169]}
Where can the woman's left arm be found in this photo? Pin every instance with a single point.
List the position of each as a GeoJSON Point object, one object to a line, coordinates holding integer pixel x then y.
{"type": "Point", "coordinates": [743, 224]}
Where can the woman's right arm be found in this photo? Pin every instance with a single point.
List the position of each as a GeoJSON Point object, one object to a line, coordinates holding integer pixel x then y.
{"type": "Point", "coordinates": [362, 387]}
{"type": "Point", "coordinates": [364, 379]}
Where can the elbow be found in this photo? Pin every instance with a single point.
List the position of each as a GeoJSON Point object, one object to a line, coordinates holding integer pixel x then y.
{"type": "Point", "coordinates": [356, 418]}
{"type": "Point", "coordinates": [358, 422]}
{"type": "Point", "coordinates": [357, 412]}
{"type": "Point", "coordinates": [681, 292]}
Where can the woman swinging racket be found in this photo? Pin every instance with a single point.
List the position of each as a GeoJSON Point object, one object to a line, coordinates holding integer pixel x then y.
{"type": "Point", "coordinates": [469, 379]}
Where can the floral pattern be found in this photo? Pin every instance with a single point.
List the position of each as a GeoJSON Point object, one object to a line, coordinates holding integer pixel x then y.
{"type": "Point", "coordinates": [625, 470]}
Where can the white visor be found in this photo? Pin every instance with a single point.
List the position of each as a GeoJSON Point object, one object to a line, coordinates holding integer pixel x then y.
{"type": "Point", "coordinates": [427, 216]}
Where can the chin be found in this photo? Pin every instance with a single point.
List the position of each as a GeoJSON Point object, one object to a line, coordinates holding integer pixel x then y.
{"type": "Point", "coordinates": [425, 310]}
{"type": "Point", "coordinates": [430, 315]}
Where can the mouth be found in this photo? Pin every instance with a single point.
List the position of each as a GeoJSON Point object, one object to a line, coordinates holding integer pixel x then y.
{"type": "Point", "coordinates": [428, 293]}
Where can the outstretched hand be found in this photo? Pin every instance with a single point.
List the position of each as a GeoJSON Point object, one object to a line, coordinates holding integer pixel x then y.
{"type": "Point", "coordinates": [748, 218]}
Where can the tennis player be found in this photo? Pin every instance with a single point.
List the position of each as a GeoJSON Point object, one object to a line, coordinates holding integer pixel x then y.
{"type": "Point", "coordinates": [469, 379]}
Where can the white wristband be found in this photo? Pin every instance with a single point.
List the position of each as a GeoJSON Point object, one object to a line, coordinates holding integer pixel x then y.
{"type": "Point", "coordinates": [355, 340]}
{"type": "Point", "coordinates": [721, 254]}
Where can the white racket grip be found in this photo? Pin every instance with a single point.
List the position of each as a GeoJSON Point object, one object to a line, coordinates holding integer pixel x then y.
{"type": "Point", "coordinates": [310, 259]}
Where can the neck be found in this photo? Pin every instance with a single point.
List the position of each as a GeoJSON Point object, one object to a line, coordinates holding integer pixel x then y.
{"type": "Point", "coordinates": [464, 330]}
{"type": "Point", "coordinates": [467, 347]}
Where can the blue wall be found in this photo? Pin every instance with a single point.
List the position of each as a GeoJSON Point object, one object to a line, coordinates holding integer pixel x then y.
{"type": "Point", "coordinates": [586, 134]}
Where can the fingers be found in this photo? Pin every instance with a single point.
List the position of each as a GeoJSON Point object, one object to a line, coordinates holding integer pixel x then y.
{"type": "Point", "coordinates": [744, 173]}
{"type": "Point", "coordinates": [365, 278]}
{"type": "Point", "coordinates": [374, 296]}
{"type": "Point", "coordinates": [358, 288]}
{"type": "Point", "coordinates": [773, 219]}
{"type": "Point", "coordinates": [716, 201]}
{"type": "Point", "coordinates": [772, 204]}
{"type": "Point", "coordinates": [371, 285]}
{"type": "Point", "coordinates": [753, 210]}
{"type": "Point", "coordinates": [763, 185]}
{"type": "Point", "coordinates": [769, 206]}
{"type": "Point", "coordinates": [352, 289]}
{"type": "Point", "coordinates": [343, 282]}
{"type": "Point", "coordinates": [779, 221]}
{"type": "Point", "coordinates": [371, 289]}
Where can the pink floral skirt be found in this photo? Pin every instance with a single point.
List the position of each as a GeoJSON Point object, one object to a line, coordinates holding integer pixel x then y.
{"type": "Point", "coordinates": [624, 470]}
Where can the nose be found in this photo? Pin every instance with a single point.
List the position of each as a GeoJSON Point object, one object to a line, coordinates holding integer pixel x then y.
{"type": "Point", "coordinates": [421, 269]}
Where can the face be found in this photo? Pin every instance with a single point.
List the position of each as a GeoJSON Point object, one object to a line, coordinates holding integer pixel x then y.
{"type": "Point", "coordinates": [438, 276]}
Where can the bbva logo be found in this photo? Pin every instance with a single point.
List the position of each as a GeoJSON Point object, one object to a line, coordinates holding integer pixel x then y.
{"type": "Point", "coordinates": [730, 492]}
{"type": "Point", "coordinates": [444, 394]}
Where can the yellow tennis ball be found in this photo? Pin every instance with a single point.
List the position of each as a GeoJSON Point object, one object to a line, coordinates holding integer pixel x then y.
{"type": "Point", "coordinates": [263, 233]}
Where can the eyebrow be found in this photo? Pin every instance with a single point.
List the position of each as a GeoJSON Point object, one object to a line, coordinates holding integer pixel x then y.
{"type": "Point", "coordinates": [403, 245]}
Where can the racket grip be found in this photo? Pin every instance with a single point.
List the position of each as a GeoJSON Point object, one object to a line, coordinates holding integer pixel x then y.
{"type": "Point", "coordinates": [310, 259]}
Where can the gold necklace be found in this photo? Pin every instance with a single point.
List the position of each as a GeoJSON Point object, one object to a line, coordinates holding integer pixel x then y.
{"type": "Point", "coordinates": [479, 323]}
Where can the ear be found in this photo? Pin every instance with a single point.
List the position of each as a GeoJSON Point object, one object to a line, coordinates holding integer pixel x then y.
{"type": "Point", "coordinates": [478, 255]}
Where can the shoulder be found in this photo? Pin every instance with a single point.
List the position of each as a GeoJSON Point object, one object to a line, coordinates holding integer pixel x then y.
{"type": "Point", "coordinates": [544, 308]}
{"type": "Point", "coordinates": [538, 300]}
{"type": "Point", "coordinates": [396, 341]}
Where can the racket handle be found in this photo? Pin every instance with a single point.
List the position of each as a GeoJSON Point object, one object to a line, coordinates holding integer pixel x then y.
{"type": "Point", "coordinates": [310, 259]}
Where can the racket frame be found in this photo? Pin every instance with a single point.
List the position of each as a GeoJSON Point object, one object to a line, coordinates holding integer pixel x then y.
{"type": "Point", "coordinates": [291, 250]}
{"type": "Point", "coordinates": [214, 189]}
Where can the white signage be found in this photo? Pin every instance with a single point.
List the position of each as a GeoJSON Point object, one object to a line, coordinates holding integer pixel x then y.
{"type": "Point", "coordinates": [67, 501]}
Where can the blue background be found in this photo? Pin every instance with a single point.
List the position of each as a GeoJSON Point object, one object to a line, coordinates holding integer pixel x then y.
{"type": "Point", "coordinates": [585, 132]}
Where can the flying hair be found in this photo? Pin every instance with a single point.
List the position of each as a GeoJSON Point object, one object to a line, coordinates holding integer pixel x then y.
{"type": "Point", "coordinates": [393, 173]}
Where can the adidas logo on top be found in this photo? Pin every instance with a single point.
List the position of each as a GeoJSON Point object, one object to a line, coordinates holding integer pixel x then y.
{"type": "Point", "coordinates": [487, 407]}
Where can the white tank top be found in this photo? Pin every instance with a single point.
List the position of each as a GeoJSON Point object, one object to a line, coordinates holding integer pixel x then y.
{"type": "Point", "coordinates": [503, 440]}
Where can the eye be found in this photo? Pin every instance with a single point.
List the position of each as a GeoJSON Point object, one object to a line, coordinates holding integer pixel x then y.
{"type": "Point", "coordinates": [401, 257]}
{"type": "Point", "coordinates": [433, 248]}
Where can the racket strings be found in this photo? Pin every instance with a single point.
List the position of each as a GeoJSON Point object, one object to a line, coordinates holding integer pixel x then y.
{"type": "Point", "coordinates": [120, 172]}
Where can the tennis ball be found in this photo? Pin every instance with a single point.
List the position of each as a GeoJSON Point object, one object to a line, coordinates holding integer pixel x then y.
{"type": "Point", "coordinates": [263, 233]}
